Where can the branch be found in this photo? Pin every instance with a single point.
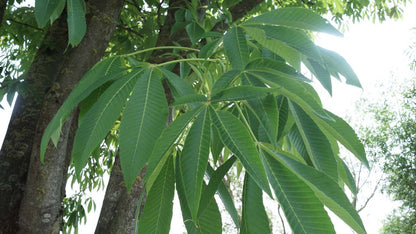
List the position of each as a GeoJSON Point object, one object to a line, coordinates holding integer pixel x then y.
{"type": "Point", "coordinates": [25, 24]}
{"type": "Point", "coordinates": [370, 197]}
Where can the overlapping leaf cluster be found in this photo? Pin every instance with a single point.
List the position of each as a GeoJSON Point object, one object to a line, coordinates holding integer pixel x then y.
{"type": "Point", "coordinates": [243, 93]}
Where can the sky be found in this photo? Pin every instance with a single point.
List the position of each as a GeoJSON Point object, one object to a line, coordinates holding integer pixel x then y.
{"type": "Point", "coordinates": [375, 51]}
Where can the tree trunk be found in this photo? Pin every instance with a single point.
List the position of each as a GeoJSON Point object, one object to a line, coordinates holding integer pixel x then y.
{"type": "Point", "coordinates": [3, 5]}
{"type": "Point", "coordinates": [17, 146]}
{"type": "Point", "coordinates": [118, 213]}
{"type": "Point", "coordinates": [40, 210]}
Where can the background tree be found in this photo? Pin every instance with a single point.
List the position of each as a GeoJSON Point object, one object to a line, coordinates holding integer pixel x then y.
{"type": "Point", "coordinates": [56, 68]}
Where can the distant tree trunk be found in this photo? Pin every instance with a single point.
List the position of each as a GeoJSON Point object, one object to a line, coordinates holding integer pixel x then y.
{"type": "Point", "coordinates": [3, 5]}
{"type": "Point", "coordinates": [17, 146]}
{"type": "Point", "coordinates": [40, 210]}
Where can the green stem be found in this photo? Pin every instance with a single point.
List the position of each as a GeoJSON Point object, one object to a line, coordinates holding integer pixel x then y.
{"type": "Point", "coordinates": [187, 60]}
{"type": "Point", "coordinates": [161, 48]}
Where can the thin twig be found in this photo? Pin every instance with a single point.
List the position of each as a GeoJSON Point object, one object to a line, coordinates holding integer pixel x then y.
{"type": "Point", "coordinates": [25, 24]}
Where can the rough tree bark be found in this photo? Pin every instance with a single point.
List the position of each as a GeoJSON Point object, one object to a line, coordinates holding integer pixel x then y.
{"type": "Point", "coordinates": [40, 210]}
{"type": "Point", "coordinates": [17, 146]}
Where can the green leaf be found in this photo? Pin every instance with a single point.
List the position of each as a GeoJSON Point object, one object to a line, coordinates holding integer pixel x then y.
{"type": "Point", "coordinates": [44, 10]}
{"type": "Point", "coordinates": [157, 213]}
{"type": "Point", "coordinates": [300, 18]}
{"type": "Point", "coordinates": [208, 222]}
{"type": "Point", "coordinates": [267, 113]}
{"type": "Point", "coordinates": [194, 31]}
{"type": "Point", "coordinates": [191, 98]}
{"type": "Point", "coordinates": [316, 142]}
{"type": "Point", "coordinates": [325, 188]}
{"type": "Point", "coordinates": [58, 10]}
{"type": "Point", "coordinates": [225, 80]}
{"type": "Point", "coordinates": [194, 160]}
{"type": "Point", "coordinates": [284, 121]}
{"type": "Point", "coordinates": [242, 92]}
{"type": "Point", "coordinates": [216, 144]}
{"type": "Point", "coordinates": [142, 123]}
{"type": "Point", "coordinates": [343, 132]}
{"type": "Point", "coordinates": [303, 210]}
{"type": "Point", "coordinates": [77, 25]}
{"type": "Point", "coordinates": [297, 141]}
{"type": "Point", "coordinates": [321, 74]}
{"type": "Point", "coordinates": [98, 121]}
{"type": "Point", "coordinates": [214, 182]}
{"type": "Point", "coordinates": [235, 45]}
{"type": "Point", "coordinates": [337, 63]}
{"type": "Point", "coordinates": [293, 88]}
{"type": "Point", "coordinates": [104, 71]}
{"type": "Point", "coordinates": [254, 217]}
{"type": "Point", "coordinates": [237, 138]}
{"type": "Point", "coordinates": [287, 52]}
{"type": "Point", "coordinates": [292, 38]}
{"type": "Point", "coordinates": [208, 49]}
{"type": "Point", "coordinates": [346, 176]}
{"type": "Point", "coordinates": [166, 140]}
{"type": "Point", "coordinates": [226, 198]}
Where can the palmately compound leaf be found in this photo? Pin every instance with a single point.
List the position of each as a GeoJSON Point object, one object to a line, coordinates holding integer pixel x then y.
{"type": "Point", "coordinates": [254, 217]}
{"type": "Point", "coordinates": [100, 118]}
{"type": "Point", "coordinates": [237, 138]}
{"type": "Point", "coordinates": [316, 142]}
{"type": "Point", "coordinates": [300, 18]}
{"type": "Point", "coordinates": [235, 45]}
{"type": "Point", "coordinates": [304, 212]}
{"type": "Point", "coordinates": [194, 160]}
{"type": "Point", "coordinates": [325, 188]}
{"type": "Point", "coordinates": [143, 121]}
{"type": "Point", "coordinates": [157, 212]}
{"type": "Point", "coordinates": [77, 25]}
{"type": "Point", "coordinates": [104, 71]}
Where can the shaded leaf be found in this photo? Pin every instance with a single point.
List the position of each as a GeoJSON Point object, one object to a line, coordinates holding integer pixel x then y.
{"type": "Point", "coordinates": [142, 123]}
{"type": "Point", "coordinates": [194, 159]}
{"type": "Point", "coordinates": [325, 188]}
{"type": "Point", "coordinates": [77, 25]}
{"type": "Point", "coordinates": [236, 48]}
{"type": "Point", "coordinates": [157, 212]}
{"type": "Point", "coordinates": [316, 142]}
{"type": "Point", "coordinates": [237, 138]}
{"type": "Point", "coordinates": [303, 210]}
{"type": "Point", "coordinates": [98, 121]}
{"type": "Point", "coordinates": [102, 72]}
{"type": "Point", "coordinates": [254, 217]}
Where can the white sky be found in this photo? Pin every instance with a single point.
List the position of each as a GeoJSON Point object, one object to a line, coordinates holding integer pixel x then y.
{"type": "Point", "coordinates": [374, 51]}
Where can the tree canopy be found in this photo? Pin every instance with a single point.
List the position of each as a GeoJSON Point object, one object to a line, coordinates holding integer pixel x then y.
{"type": "Point", "coordinates": [186, 90]}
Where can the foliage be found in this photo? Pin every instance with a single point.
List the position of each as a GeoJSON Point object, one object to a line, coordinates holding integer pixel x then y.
{"type": "Point", "coordinates": [390, 143]}
{"type": "Point", "coordinates": [19, 41]}
{"type": "Point", "coordinates": [240, 94]}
